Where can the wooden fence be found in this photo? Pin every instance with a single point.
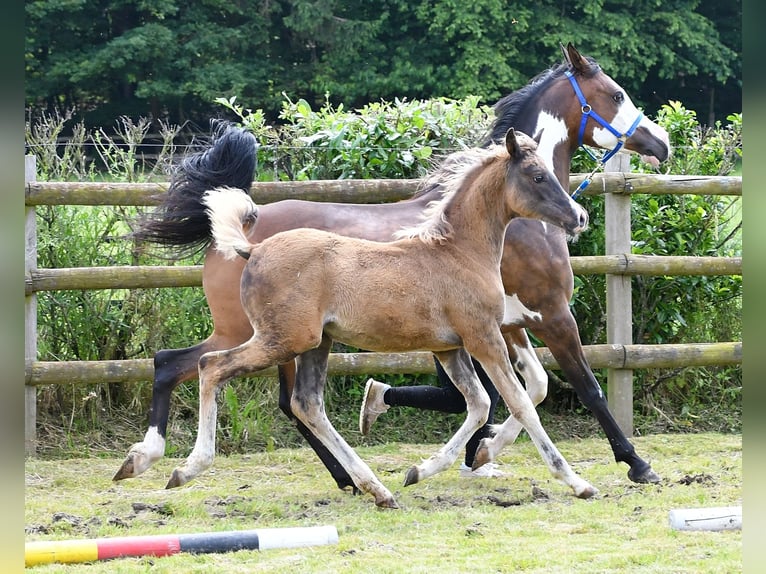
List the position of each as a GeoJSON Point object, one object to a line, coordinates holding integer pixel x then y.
{"type": "Point", "coordinates": [619, 355]}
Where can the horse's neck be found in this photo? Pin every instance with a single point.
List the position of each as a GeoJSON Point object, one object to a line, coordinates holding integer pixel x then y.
{"type": "Point", "coordinates": [479, 219]}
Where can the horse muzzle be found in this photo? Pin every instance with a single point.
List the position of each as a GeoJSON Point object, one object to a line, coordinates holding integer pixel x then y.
{"type": "Point", "coordinates": [580, 223]}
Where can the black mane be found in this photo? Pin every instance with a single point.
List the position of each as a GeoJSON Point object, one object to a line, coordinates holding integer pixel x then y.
{"type": "Point", "coordinates": [514, 110]}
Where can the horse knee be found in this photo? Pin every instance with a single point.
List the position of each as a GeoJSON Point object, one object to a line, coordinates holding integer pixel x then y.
{"type": "Point", "coordinates": [535, 380]}
{"type": "Point", "coordinates": [538, 391]}
{"type": "Point", "coordinates": [479, 405]}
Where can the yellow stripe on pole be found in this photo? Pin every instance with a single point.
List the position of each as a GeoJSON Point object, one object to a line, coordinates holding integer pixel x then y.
{"type": "Point", "coordinates": [45, 552]}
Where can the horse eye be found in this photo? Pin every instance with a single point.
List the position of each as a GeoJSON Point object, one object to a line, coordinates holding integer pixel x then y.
{"type": "Point", "coordinates": [619, 97]}
{"type": "Point", "coordinates": [539, 178]}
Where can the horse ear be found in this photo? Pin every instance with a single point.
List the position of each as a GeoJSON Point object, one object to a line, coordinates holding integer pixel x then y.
{"type": "Point", "coordinates": [511, 144]}
{"type": "Point", "coordinates": [575, 60]}
{"type": "Point", "coordinates": [566, 56]}
{"type": "Point", "coordinates": [539, 136]}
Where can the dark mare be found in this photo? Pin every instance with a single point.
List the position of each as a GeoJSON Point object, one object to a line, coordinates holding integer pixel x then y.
{"type": "Point", "coordinates": [535, 267]}
{"type": "Point", "coordinates": [438, 289]}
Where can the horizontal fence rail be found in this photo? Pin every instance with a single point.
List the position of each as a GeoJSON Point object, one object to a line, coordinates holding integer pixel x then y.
{"type": "Point", "coordinates": [414, 363]}
{"type": "Point", "coordinates": [363, 190]}
{"type": "Point", "coordinates": [612, 356]}
{"type": "Point", "coordinates": [155, 276]}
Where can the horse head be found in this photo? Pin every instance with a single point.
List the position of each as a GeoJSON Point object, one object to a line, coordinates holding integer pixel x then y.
{"type": "Point", "coordinates": [534, 190]}
{"type": "Point", "coordinates": [608, 119]}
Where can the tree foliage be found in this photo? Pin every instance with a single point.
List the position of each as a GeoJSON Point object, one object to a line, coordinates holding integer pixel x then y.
{"type": "Point", "coordinates": [171, 60]}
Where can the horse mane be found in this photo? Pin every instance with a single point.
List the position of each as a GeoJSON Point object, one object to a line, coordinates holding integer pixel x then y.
{"type": "Point", "coordinates": [512, 111]}
{"type": "Point", "coordinates": [448, 177]}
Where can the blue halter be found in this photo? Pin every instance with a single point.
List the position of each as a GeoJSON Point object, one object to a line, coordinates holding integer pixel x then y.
{"type": "Point", "coordinates": [588, 112]}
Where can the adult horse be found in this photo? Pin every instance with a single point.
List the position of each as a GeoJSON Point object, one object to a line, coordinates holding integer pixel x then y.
{"type": "Point", "coordinates": [547, 107]}
{"type": "Point", "coordinates": [438, 289]}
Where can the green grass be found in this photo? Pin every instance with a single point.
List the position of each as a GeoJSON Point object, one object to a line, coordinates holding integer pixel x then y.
{"type": "Point", "coordinates": [446, 523]}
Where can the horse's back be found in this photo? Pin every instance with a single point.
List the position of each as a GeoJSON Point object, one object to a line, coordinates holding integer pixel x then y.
{"type": "Point", "coordinates": [375, 222]}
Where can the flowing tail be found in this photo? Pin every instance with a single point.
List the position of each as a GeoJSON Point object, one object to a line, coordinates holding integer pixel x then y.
{"type": "Point", "coordinates": [229, 211]}
{"type": "Point", "coordinates": [181, 221]}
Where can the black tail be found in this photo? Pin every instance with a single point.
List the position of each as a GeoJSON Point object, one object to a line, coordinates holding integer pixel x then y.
{"type": "Point", "coordinates": [180, 221]}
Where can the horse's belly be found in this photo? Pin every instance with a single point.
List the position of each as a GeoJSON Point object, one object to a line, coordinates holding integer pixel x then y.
{"type": "Point", "coordinates": [392, 334]}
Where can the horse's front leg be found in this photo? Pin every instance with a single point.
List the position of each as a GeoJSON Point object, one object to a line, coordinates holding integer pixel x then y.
{"type": "Point", "coordinates": [527, 365]}
{"type": "Point", "coordinates": [563, 340]}
{"type": "Point", "coordinates": [494, 359]}
{"type": "Point", "coordinates": [215, 369]}
{"type": "Point", "coordinates": [308, 406]}
{"type": "Point", "coordinates": [457, 364]}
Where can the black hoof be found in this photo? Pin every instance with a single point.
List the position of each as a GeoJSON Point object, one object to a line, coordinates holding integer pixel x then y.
{"type": "Point", "coordinates": [412, 476]}
{"type": "Point", "coordinates": [643, 475]}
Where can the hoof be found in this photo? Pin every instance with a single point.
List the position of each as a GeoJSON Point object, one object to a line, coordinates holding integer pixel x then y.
{"type": "Point", "coordinates": [481, 457]}
{"type": "Point", "coordinates": [127, 470]}
{"type": "Point", "coordinates": [587, 492]}
{"type": "Point", "coordinates": [643, 475]}
{"type": "Point", "coordinates": [176, 479]}
{"type": "Point", "coordinates": [412, 476]}
{"type": "Point", "coordinates": [387, 502]}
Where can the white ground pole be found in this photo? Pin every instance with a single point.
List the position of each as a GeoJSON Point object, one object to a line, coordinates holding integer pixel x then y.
{"type": "Point", "coordinates": [721, 518]}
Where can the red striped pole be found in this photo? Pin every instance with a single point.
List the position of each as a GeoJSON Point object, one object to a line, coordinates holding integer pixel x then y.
{"type": "Point", "coordinates": [70, 551]}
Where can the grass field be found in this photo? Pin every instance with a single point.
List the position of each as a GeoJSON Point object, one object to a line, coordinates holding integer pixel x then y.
{"type": "Point", "coordinates": [522, 522]}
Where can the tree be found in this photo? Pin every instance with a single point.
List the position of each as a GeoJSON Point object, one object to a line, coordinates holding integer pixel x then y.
{"type": "Point", "coordinates": [130, 57]}
{"type": "Point", "coordinates": [108, 58]}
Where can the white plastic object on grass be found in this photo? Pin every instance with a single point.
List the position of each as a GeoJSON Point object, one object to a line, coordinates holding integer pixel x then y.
{"type": "Point", "coordinates": [721, 518]}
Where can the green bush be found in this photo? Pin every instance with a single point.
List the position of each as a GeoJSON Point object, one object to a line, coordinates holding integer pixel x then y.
{"type": "Point", "coordinates": [381, 140]}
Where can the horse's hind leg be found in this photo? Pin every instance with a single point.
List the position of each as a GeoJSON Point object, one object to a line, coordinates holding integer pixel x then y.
{"type": "Point", "coordinates": [525, 363]}
{"type": "Point", "coordinates": [215, 369]}
{"type": "Point", "coordinates": [307, 404]}
{"type": "Point", "coordinates": [171, 368]}
{"type": "Point", "coordinates": [287, 374]}
{"type": "Point", "coordinates": [457, 365]}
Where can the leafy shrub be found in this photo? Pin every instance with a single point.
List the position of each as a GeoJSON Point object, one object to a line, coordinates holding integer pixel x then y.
{"type": "Point", "coordinates": [381, 140]}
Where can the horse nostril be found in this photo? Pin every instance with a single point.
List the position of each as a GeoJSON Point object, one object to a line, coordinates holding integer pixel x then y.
{"type": "Point", "coordinates": [583, 219]}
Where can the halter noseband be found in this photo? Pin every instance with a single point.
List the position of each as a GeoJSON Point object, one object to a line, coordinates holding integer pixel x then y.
{"type": "Point", "coordinates": [588, 112]}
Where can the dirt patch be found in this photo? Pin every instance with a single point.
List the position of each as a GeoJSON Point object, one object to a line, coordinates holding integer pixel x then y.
{"type": "Point", "coordinates": [705, 479]}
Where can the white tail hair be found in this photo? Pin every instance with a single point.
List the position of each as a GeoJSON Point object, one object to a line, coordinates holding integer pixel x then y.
{"type": "Point", "coordinates": [229, 209]}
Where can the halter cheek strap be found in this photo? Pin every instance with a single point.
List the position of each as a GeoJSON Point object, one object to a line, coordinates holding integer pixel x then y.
{"type": "Point", "coordinates": [589, 113]}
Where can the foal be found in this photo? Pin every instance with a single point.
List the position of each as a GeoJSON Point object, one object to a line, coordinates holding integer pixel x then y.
{"type": "Point", "coordinates": [304, 288]}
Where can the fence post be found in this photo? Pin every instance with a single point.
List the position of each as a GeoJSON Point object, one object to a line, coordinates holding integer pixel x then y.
{"type": "Point", "coordinates": [619, 315]}
{"type": "Point", "coordinates": [30, 312]}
